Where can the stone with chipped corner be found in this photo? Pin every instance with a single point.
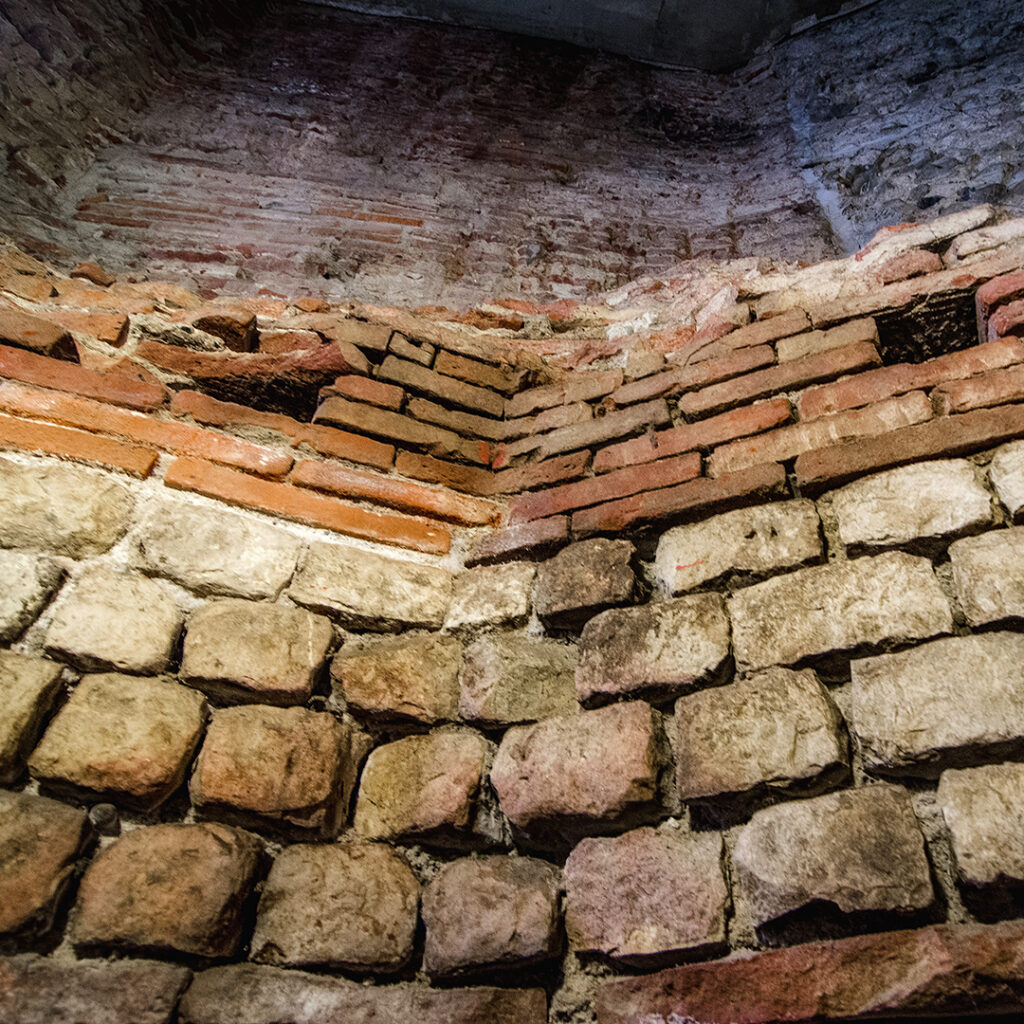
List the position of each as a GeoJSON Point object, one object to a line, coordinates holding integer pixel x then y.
{"type": "Point", "coordinates": [583, 579]}
{"type": "Point", "coordinates": [28, 688]}
{"type": "Point", "coordinates": [492, 595]}
{"type": "Point", "coordinates": [28, 582]}
{"type": "Point", "coordinates": [988, 572]}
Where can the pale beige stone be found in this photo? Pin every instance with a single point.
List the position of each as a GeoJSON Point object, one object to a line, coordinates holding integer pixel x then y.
{"type": "Point", "coordinates": [28, 582]}
{"type": "Point", "coordinates": [1006, 471]}
{"type": "Point", "coordinates": [988, 572]}
{"type": "Point", "coordinates": [28, 687]}
{"type": "Point", "coordinates": [492, 595]}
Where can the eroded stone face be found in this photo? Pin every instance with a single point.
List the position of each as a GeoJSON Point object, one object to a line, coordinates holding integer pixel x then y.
{"type": "Point", "coordinates": [28, 582]}
{"type": "Point", "coordinates": [28, 687]}
{"type": "Point", "coordinates": [988, 572]}
{"type": "Point", "coordinates": [492, 595]}
{"type": "Point", "coordinates": [585, 578]}
{"type": "Point", "coordinates": [1006, 471]}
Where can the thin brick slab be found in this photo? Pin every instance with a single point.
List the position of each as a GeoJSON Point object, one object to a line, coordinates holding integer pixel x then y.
{"type": "Point", "coordinates": [835, 608]}
{"type": "Point", "coordinates": [148, 623]}
{"type": "Point", "coordinates": [655, 651]}
{"type": "Point", "coordinates": [123, 738]}
{"type": "Point", "coordinates": [247, 650]}
{"type": "Point", "coordinates": [28, 582]}
{"type": "Point", "coordinates": [647, 897]}
{"type": "Point", "coordinates": [490, 913]}
{"type": "Point", "coordinates": [583, 579]}
{"type": "Point", "coordinates": [492, 595]}
{"type": "Point", "coordinates": [757, 541]}
{"type": "Point", "coordinates": [988, 572]}
{"type": "Point", "coordinates": [1006, 471]}
{"type": "Point", "coordinates": [351, 906]}
{"type": "Point", "coordinates": [362, 589]}
{"type": "Point", "coordinates": [28, 687]}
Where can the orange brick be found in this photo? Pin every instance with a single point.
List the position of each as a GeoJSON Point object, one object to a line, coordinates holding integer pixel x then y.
{"type": "Point", "coordinates": [303, 506]}
{"type": "Point", "coordinates": [111, 328]}
{"type": "Point", "coordinates": [497, 378]}
{"type": "Point", "coordinates": [996, 388]}
{"type": "Point", "coordinates": [579, 387]}
{"type": "Point", "coordinates": [419, 378]}
{"type": "Point", "coordinates": [541, 474]}
{"type": "Point", "coordinates": [365, 389]}
{"type": "Point", "coordinates": [527, 540]}
{"type": "Point", "coordinates": [471, 479]}
{"type": "Point", "coordinates": [32, 332]}
{"type": "Point", "coordinates": [95, 273]}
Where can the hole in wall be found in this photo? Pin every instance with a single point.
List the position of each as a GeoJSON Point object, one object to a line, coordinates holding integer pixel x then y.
{"type": "Point", "coordinates": [940, 323]}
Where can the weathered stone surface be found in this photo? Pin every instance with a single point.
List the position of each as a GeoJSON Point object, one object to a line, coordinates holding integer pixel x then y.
{"type": "Point", "coordinates": [836, 608]}
{"type": "Point", "coordinates": [284, 768]}
{"type": "Point", "coordinates": [411, 679]}
{"type": "Point", "coordinates": [125, 738]}
{"type": "Point", "coordinates": [489, 913]}
{"type": "Point", "coordinates": [943, 704]}
{"type": "Point", "coordinates": [352, 906]}
{"type": "Point", "coordinates": [657, 650]}
{"type": "Point", "coordinates": [776, 730]}
{"type": "Point", "coordinates": [40, 840]}
{"type": "Point", "coordinates": [860, 849]}
{"type": "Point", "coordinates": [756, 540]}
{"type": "Point", "coordinates": [422, 787]}
{"type": "Point", "coordinates": [1006, 471]}
{"type": "Point", "coordinates": [249, 650]}
{"type": "Point", "coordinates": [27, 689]}
{"type": "Point", "coordinates": [366, 590]}
{"type": "Point", "coordinates": [917, 503]}
{"type": "Point", "coordinates": [53, 506]}
{"type": "Point", "coordinates": [83, 631]}
{"type": "Point", "coordinates": [28, 583]}
{"type": "Point", "coordinates": [583, 579]}
{"type": "Point", "coordinates": [36, 990]}
{"type": "Point", "coordinates": [248, 994]}
{"type": "Point", "coordinates": [215, 551]}
{"type": "Point", "coordinates": [585, 774]}
{"type": "Point", "coordinates": [168, 888]}
{"type": "Point", "coordinates": [509, 679]}
{"type": "Point", "coordinates": [988, 572]}
{"type": "Point", "coordinates": [937, 970]}
{"type": "Point", "coordinates": [492, 595]}
{"type": "Point", "coordinates": [647, 897]}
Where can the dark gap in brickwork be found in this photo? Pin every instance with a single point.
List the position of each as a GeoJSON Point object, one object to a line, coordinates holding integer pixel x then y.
{"type": "Point", "coordinates": [938, 324]}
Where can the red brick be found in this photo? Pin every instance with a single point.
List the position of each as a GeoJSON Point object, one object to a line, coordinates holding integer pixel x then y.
{"type": "Point", "coordinates": [95, 273]}
{"type": "Point", "coordinates": [785, 377]}
{"type": "Point", "coordinates": [394, 493]}
{"type": "Point", "coordinates": [533, 539]}
{"type": "Point", "coordinates": [541, 474]}
{"type": "Point", "coordinates": [750, 419]}
{"type": "Point", "coordinates": [696, 497]}
{"type": "Point", "coordinates": [469, 396]}
{"type": "Point", "coordinates": [452, 474]}
{"type": "Point", "coordinates": [579, 387]}
{"type": "Point", "coordinates": [761, 332]}
{"type": "Point", "coordinates": [278, 342]}
{"type": "Point", "coordinates": [1008, 319]}
{"type": "Point", "coordinates": [466, 423]}
{"type": "Point", "coordinates": [236, 328]}
{"type": "Point", "coordinates": [996, 388]}
{"type": "Point", "coordinates": [33, 287]}
{"type": "Point", "coordinates": [908, 264]}
{"type": "Point", "coordinates": [999, 290]}
{"type": "Point", "coordinates": [497, 378]}
{"type": "Point", "coordinates": [612, 425]}
{"type": "Point", "coordinates": [79, 295]}
{"type": "Point", "coordinates": [16, 433]}
{"type": "Point", "coordinates": [308, 304]}
{"type": "Point", "coordinates": [340, 328]}
{"type": "Point", "coordinates": [113, 387]}
{"type": "Point", "coordinates": [366, 389]}
{"type": "Point", "coordinates": [111, 328]}
{"type": "Point", "coordinates": [950, 435]}
{"type": "Point", "coordinates": [37, 335]}
{"type": "Point", "coordinates": [305, 507]}
{"type": "Point", "coordinates": [873, 386]}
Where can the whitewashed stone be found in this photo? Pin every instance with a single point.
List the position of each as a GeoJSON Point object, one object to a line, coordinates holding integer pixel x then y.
{"type": "Point", "coordinates": [28, 581]}
{"type": "Point", "coordinates": [28, 687]}
{"type": "Point", "coordinates": [988, 572]}
{"type": "Point", "coordinates": [1006, 471]}
{"type": "Point", "coordinates": [492, 595]}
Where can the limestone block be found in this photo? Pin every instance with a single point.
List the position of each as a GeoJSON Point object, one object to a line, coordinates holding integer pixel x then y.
{"type": "Point", "coordinates": [647, 897]}
{"type": "Point", "coordinates": [859, 849]}
{"type": "Point", "coordinates": [757, 540]}
{"type": "Point", "coordinates": [40, 841]}
{"type": "Point", "coordinates": [492, 595]}
{"type": "Point", "coordinates": [216, 551]}
{"type": "Point", "coordinates": [657, 650]}
{"type": "Point", "coordinates": [940, 705]}
{"type": "Point", "coordinates": [917, 503]}
{"type": "Point", "coordinates": [489, 913]}
{"type": "Point", "coordinates": [776, 730]}
{"type": "Point", "coordinates": [988, 572]}
{"type": "Point", "coordinates": [69, 510]}
{"type": "Point", "coordinates": [109, 620]}
{"type": "Point", "coordinates": [1006, 471]}
{"type": "Point", "coordinates": [168, 888]}
{"type": "Point", "coordinates": [369, 591]}
{"type": "Point", "coordinates": [351, 906]}
{"type": "Point", "coordinates": [583, 579]}
{"type": "Point", "coordinates": [28, 582]}
{"type": "Point", "coordinates": [510, 679]}
{"type": "Point", "coordinates": [28, 687]}
{"type": "Point", "coordinates": [835, 608]}
{"type": "Point", "coordinates": [404, 678]}
{"type": "Point", "coordinates": [125, 738]}
{"type": "Point", "coordinates": [249, 650]}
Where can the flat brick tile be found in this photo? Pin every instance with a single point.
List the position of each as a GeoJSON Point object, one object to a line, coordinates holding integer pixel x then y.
{"type": "Point", "coordinates": [1000, 387]}
{"type": "Point", "coordinates": [419, 378]}
{"type": "Point", "coordinates": [534, 539]}
{"type": "Point", "coordinates": [620, 423]}
{"type": "Point", "coordinates": [470, 479]}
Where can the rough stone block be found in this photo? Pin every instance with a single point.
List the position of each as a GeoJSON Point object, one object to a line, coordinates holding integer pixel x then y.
{"type": "Point", "coordinates": [492, 595]}
{"type": "Point", "coordinates": [510, 679]}
{"type": "Point", "coordinates": [943, 704]}
{"type": "Point", "coordinates": [125, 738]}
{"type": "Point", "coordinates": [287, 769]}
{"type": "Point", "coordinates": [352, 906]}
{"type": "Point", "coordinates": [168, 888]}
{"type": "Point", "coordinates": [362, 589]}
{"type": "Point", "coordinates": [1006, 471]}
{"type": "Point", "coordinates": [756, 541]}
{"type": "Point", "coordinates": [402, 679]}
{"type": "Point", "coordinates": [215, 551]}
{"type": "Point", "coordinates": [247, 650]}
{"type": "Point", "coordinates": [647, 897]}
{"type": "Point", "coordinates": [988, 572]}
{"type": "Point", "coordinates": [860, 850]}
{"type": "Point", "coordinates": [28, 583]}
{"type": "Point", "coordinates": [917, 504]}
{"type": "Point", "coordinates": [27, 690]}
{"type": "Point", "coordinates": [586, 774]}
{"type": "Point", "coordinates": [489, 913]}
{"type": "Point", "coordinates": [40, 840]}
{"type": "Point", "coordinates": [106, 619]}
{"type": "Point", "coordinates": [583, 579]}
{"type": "Point", "coordinates": [69, 510]}
{"type": "Point", "coordinates": [772, 732]}
{"type": "Point", "coordinates": [655, 651]}
{"type": "Point", "coordinates": [831, 609]}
